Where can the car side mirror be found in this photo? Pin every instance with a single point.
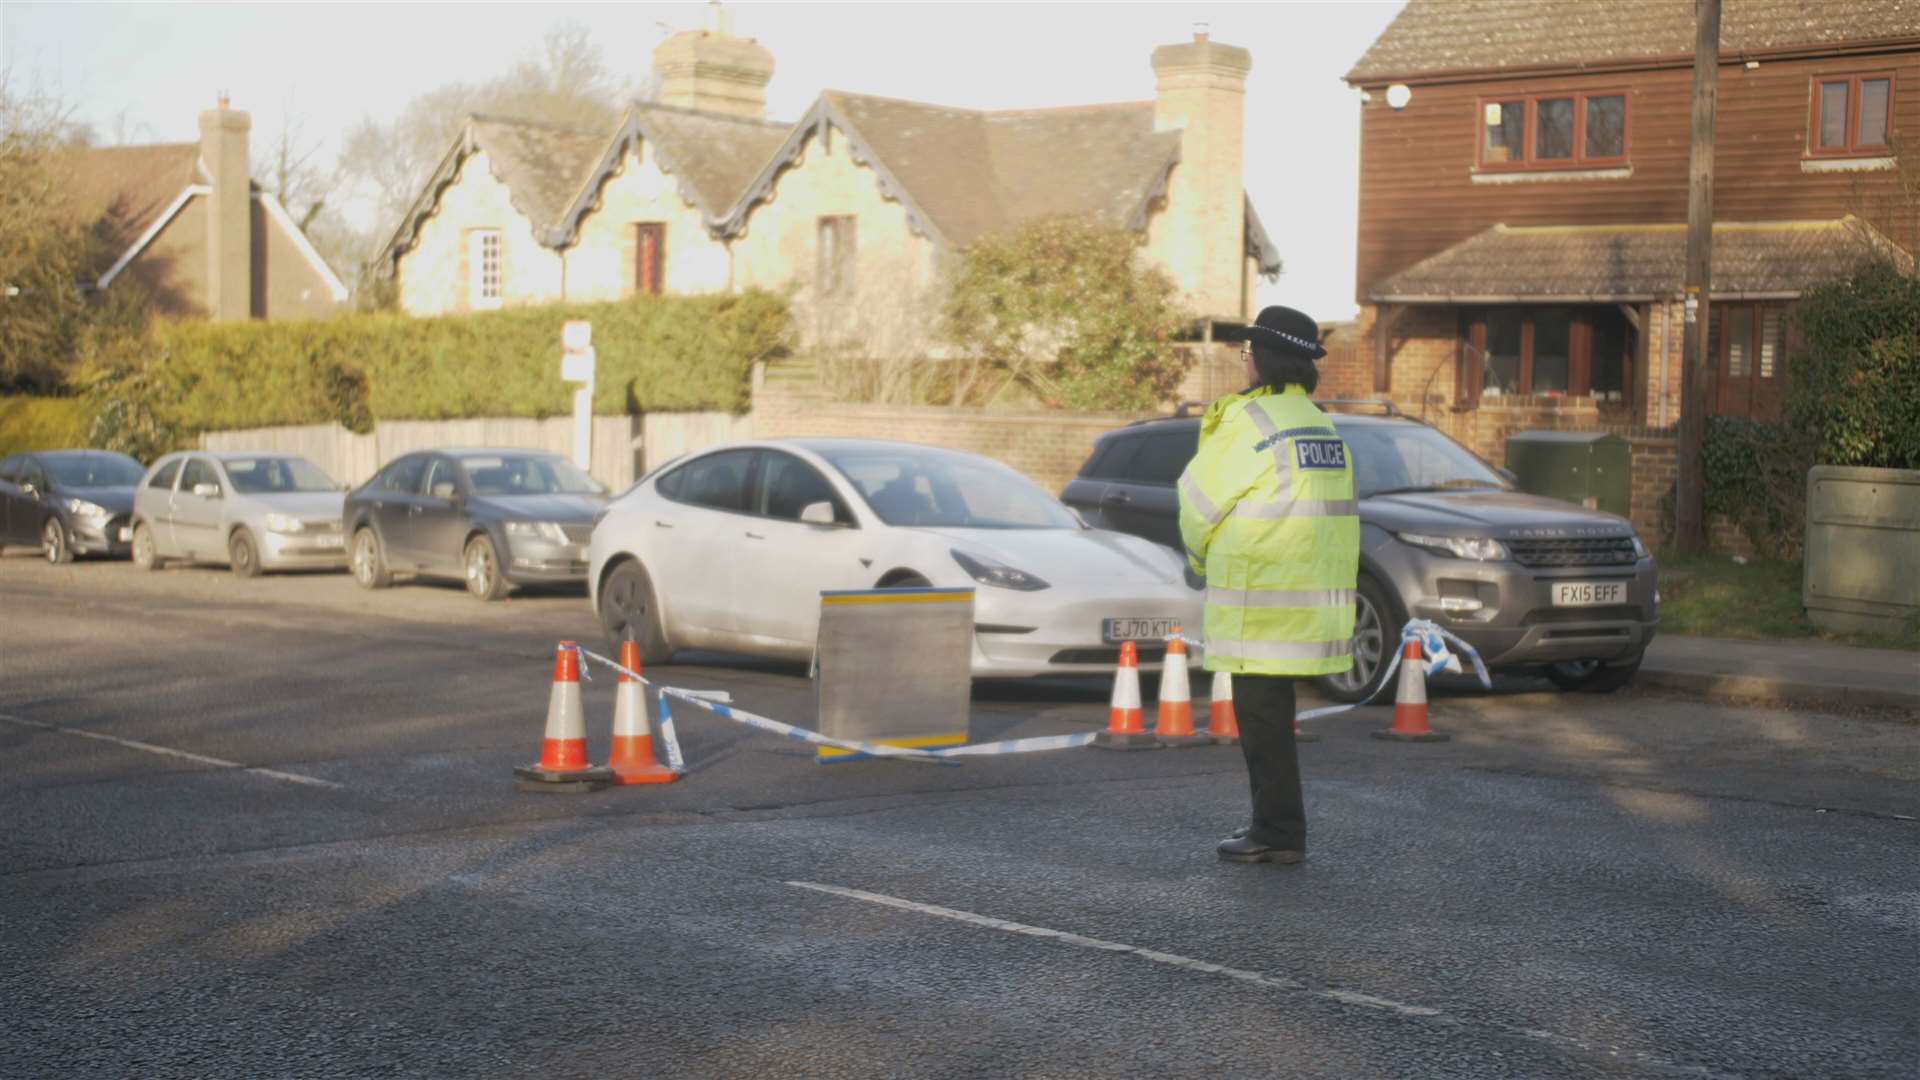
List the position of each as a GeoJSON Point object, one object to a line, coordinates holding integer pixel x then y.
{"type": "Point", "coordinates": [445, 490]}
{"type": "Point", "coordinates": [207, 491]}
{"type": "Point", "coordinates": [818, 513]}
{"type": "Point", "coordinates": [1509, 475]}
{"type": "Point", "coordinates": [28, 487]}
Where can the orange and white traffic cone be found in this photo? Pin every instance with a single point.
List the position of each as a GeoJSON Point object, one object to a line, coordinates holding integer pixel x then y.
{"type": "Point", "coordinates": [563, 755]}
{"type": "Point", "coordinates": [1126, 726]}
{"type": "Point", "coordinates": [632, 759]}
{"type": "Point", "coordinates": [1173, 723]}
{"type": "Point", "coordinates": [1410, 701]}
{"type": "Point", "coordinates": [1222, 725]}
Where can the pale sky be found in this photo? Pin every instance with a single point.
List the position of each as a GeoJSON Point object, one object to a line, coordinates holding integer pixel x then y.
{"type": "Point", "coordinates": [149, 69]}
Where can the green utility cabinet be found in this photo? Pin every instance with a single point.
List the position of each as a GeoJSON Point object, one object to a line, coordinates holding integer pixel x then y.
{"type": "Point", "coordinates": [1586, 468]}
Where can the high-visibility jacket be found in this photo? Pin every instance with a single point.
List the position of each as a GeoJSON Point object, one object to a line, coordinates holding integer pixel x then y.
{"type": "Point", "coordinates": [1268, 515]}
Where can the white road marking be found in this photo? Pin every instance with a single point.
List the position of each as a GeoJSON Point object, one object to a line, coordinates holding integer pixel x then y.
{"type": "Point", "coordinates": [168, 751]}
{"type": "Point", "coordinates": [1344, 997]}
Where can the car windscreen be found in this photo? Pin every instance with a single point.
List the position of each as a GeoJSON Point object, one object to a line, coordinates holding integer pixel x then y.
{"type": "Point", "coordinates": [1409, 457]}
{"type": "Point", "coordinates": [942, 489]}
{"type": "Point", "coordinates": [506, 474]}
{"type": "Point", "coordinates": [268, 475]}
{"type": "Point", "coordinates": [93, 470]}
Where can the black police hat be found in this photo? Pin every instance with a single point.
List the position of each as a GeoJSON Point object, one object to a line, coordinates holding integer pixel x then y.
{"type": "Point", "coordinates": [1281, 329]}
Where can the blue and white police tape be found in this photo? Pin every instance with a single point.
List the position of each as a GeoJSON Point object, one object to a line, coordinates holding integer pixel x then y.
{"type": "Point", "coordinates": [1437, 642]}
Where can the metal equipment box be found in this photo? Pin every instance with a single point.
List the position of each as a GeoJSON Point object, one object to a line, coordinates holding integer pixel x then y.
{"type": "Point", "coordinates": [1587, 468]}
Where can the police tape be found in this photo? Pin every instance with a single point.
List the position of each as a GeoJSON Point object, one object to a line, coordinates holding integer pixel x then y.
{"type": "Point", "coordinates": [1437, 643]}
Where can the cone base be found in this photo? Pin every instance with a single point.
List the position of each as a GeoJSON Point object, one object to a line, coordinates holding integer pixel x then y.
{"type": "Point", "coordinates": [1132, 740]}
{"type": "Point", "coordinates": [561, 782]}
{"type": "Point", "coordinates": [1411, 736]}
{"type": "Point", "coordinates": [1178, 741]}
{"type": "Point", "coordinates": [643, 774]}
{"type": "Point", "coordinates": [1225, 740]}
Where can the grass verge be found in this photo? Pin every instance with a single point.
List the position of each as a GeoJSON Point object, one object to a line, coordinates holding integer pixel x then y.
{"type": "Point", "coordinates": [1713, 596]}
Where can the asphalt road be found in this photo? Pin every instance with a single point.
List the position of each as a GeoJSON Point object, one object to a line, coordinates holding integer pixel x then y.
{"type": "Point", "coordinates": [342, 880]}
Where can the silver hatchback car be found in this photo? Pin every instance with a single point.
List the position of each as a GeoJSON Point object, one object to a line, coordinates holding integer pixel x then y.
{"type": "Point", "coordinates": [252, 511]}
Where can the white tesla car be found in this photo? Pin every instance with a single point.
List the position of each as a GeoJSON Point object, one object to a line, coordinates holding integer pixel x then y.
{"type": "Point", "coordinates": [730, 549]}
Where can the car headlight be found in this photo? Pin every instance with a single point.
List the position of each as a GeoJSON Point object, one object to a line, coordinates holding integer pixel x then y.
{"type": "Point", "coordinates": [85, 509]}
{"type": "Point", "coordinates": [537, 530]}
{"type": "Point", "coordinates": [285, 523]}
{"type": "Point", "coordinates": [1477, 548]}
{"type": "Point", "coordinates": [1639, 549]}
{"type": "Point", "coordinates": [989, 572]}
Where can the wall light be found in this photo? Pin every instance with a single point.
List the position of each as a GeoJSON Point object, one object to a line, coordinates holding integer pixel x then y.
{"type": "Point", "coordinates": [1398, 95]}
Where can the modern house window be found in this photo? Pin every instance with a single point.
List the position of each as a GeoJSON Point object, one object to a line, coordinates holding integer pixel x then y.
{"type": "Point", "coordinates": [1546, 351]}
{"type": "Point", "coordinates": [649, 258]}
{"type": "Point", "coordinates": [1852, 114]}
{"type": "Point", "coordinates": [836, 254]}
{"type": "Point", "coordinates": [484, 268]}
{"type": "Point", "coordinates": [1550, 131]}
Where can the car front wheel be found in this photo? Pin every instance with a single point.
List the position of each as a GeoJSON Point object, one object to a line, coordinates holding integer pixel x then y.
{"type": "Point", "coordinates": [1594, 676]}
{"type": "Point", "coordinates": [484, 578]}
{"type": "Point", "coordinates": [53, 542]}
{"type": "Point", "coordinates": [1376, 634]}
{"type": "Point", "coordinates": [145, 555]}
{"type": "Point", "coordinates": [243, 558]}
{"type": "Point", "coordinates": [628, 610]}
{"type": "Point", "coordinates": [369, 566]}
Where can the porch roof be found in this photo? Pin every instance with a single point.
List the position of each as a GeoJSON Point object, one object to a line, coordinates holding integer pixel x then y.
{"type": "Point", "coordinates": [1630, 263]}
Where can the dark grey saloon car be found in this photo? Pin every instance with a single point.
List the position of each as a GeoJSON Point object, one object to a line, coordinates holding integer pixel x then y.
{"type": "Point", "coordinates": [491, 518]}
{"type": "Point", "coordinates": [1531, 582]}
{"type": "Point", "coordinates": [67, 502]}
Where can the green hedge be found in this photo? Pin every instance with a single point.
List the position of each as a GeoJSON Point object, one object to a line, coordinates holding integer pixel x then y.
{"type": "Point", "coordinates": [1856, 379]}
{"type": "Point", "coordinates": [42, 423]}
{"type": "Point", "coordinates": [655, 354]}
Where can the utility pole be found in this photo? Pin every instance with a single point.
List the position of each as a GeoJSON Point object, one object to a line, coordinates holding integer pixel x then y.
{"type": "Point", "coordinates": [1696, 385]}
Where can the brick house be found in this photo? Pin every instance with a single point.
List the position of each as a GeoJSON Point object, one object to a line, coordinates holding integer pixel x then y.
{"type": "Point", "coordinates": [855, 206]}
{"type": "Point", "coordinates": [1523, 199]}
{"type": "Point", "coordinates": [186, 222]}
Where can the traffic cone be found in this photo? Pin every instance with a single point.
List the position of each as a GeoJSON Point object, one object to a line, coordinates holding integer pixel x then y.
{"type": "Point", "coordinates": [1222, 725]}
{"type": "Point", "coordinates": [1410, 702]}
{"type": "Point", "coordinates": [632, 759]}
{"type": "Point", "coordinates": [1126, 727]}
{"type": "Point", "coordinates": [1173, 723]}
{"type": "Point", "coordinates": [563, 755]}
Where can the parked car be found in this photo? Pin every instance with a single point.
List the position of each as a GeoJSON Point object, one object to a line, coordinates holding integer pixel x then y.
{"type": "Point", "coordinates": [68, 502]}
{"type": "Point", "coordinates": [1530, 582]}
{"type": "Point", "coordinates": [730, 549]}
{"type": "Point", "coordinates": [493, 518]}
{"type": "Point", "coordinates": [252, 511]}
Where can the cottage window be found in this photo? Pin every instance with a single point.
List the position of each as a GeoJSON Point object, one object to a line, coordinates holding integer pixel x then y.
{"type": "Point", "coordinates": [1547, 352]}
{"type": "Point", "coordinates": [1549, 131]}
{"type": "Point", "coordinates": [834, 273]}
{"type": "Point", "coordinates": [1852, 114]}
{"type": "Point", "coordinates": [1747, 343]}
{"type": "Point", "coordinates": [484, 268]}
{"type": "Point", "coordinates": [649, 258]}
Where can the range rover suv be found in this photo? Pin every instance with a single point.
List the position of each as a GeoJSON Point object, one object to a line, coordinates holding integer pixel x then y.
{"type": "Point", "coordinates": [1532, 583]}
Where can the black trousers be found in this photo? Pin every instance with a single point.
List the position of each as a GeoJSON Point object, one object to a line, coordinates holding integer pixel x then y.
{"type": "Point", "coordinates": [1263, 705]}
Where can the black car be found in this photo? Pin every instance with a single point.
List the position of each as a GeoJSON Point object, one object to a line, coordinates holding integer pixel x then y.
{"type": "Point", "coordinates": [493, 518]}
{"type": "Point", "coordinates": [1530, 582]}
{"type": "Point", "coordinates": [68, 502]}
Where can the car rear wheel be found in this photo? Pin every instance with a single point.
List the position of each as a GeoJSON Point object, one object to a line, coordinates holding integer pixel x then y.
{"type": "Point", "coordinates": [1376, 633]}
{"type": "Point", "coordinates": [243, 558]}
{"type": "Point", "coordinates": [53, 542]}
{"type": "Point", "coordinates": [628, 609]}
{"type": "Point", "coordinates": [484, 578]}
{"type": "Point", "coordinates": [369, 566]}
{"type": "Point", "coordinates": [1594, 676]}
{"type": "Point", "coordinates": [145, 555]}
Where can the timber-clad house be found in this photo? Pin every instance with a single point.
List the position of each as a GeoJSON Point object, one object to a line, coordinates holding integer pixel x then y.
{"type": "Point", "coordinates": [1523, 199]}
{"type": "Point", "coordinates": [855, 207]}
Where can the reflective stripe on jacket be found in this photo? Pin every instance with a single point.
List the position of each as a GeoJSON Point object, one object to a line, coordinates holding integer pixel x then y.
{"type": "Point", "coordinates": [1267, 513]}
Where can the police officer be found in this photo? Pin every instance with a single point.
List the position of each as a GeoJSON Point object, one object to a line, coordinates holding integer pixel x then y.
{"type": "Point", "coordinates": [1267, 514]}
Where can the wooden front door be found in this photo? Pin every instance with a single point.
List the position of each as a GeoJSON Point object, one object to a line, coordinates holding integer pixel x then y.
{"type": "Point", "coordinates": [1749, 360]}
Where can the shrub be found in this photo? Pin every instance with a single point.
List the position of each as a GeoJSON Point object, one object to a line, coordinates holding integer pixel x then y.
{"type": "Point", "coordinates": [41, 423]}
{"type": "Point", "coordinates": [654, 354]}
{"type": "Point", "coordinates": [1756, 475]}
{"type": "Point", "coordinates": [1856, 378]}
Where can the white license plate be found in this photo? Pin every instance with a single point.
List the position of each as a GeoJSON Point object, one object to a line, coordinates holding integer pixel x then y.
{"type": "Point", "coordinates": [1115, 631]}
{"type": "Point", "coordinates": [1589, 593]}
{"type": "Point", "coordinates": [330, 541]}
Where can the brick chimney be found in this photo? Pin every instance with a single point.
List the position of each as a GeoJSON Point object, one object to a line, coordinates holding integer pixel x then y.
{"type": "Point", "coordinates": [223, 150]}
{"type": "Point", "coordinates": [1201, 89]}
{"type": "Point", "coordinates": [714, 71]}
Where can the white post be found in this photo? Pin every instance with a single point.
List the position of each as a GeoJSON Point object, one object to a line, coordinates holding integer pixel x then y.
{"type": "Point", "coordinates": [583, 426]}
{"type": "Point", "coordinates": [576, 366]}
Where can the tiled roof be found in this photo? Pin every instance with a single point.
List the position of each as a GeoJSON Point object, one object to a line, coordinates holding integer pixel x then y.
{"type": "Point", "coordinates": [121, 191]}
{"type": "Point", "coordinates": [1432, 36]}
{"type": "Point", "coordinates": [1633, 262]}
{"type": "Point", "coordinates": [715, 154]}
{"type": "Point", "coordinates": [542, 165]}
